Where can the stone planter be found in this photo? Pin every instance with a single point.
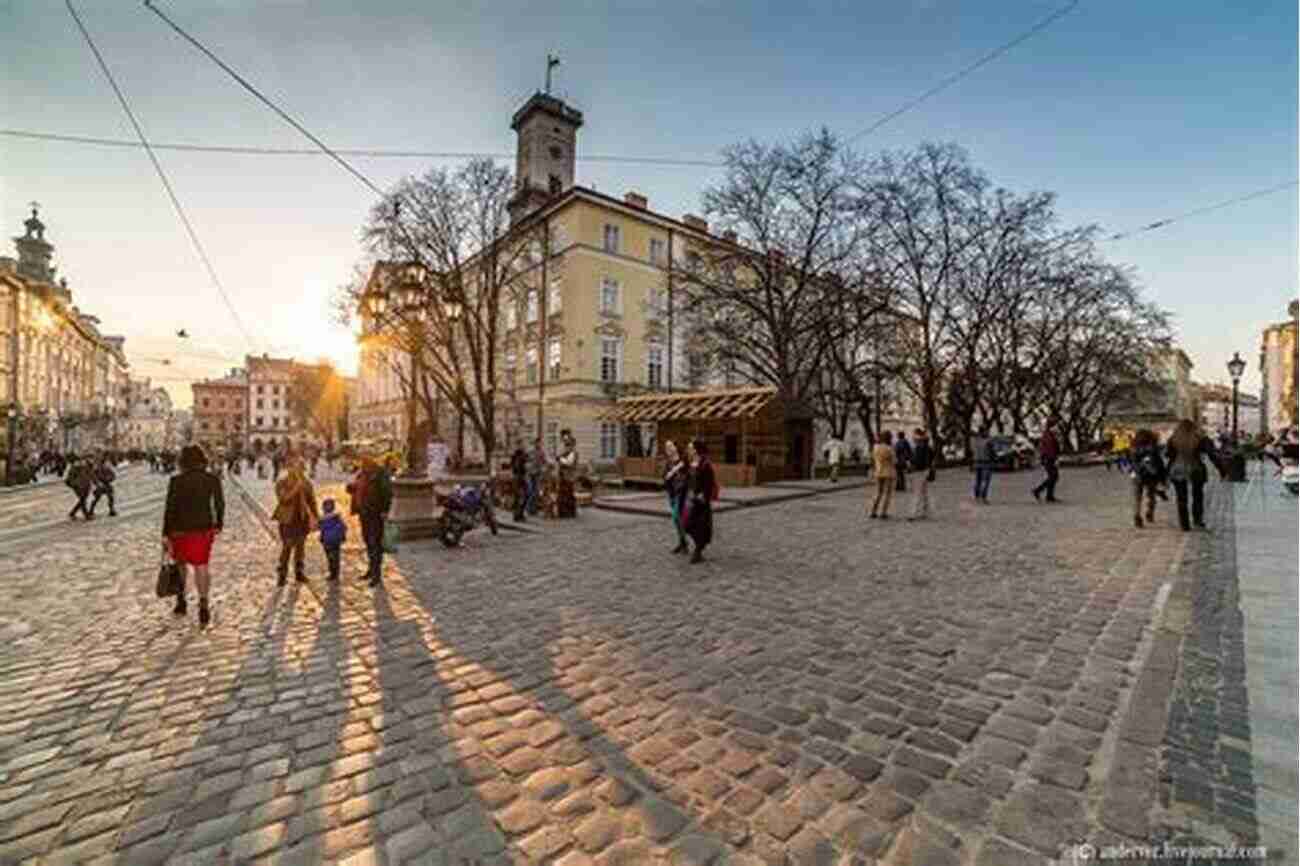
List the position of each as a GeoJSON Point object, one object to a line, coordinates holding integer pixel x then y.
{"type": "Point", "coordinates": [412, 512]}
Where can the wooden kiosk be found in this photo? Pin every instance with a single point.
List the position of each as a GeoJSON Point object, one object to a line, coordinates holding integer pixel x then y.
{"type": "Point", "coordinates": [752, 438]}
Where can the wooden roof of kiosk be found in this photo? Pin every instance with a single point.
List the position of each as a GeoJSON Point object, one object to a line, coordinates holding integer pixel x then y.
{"type": "Point", "coordinates": [752, 439]}
{"type": "Point", "coordinates": [733, 403]}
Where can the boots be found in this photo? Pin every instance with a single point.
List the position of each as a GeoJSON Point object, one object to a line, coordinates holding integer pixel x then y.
{"type": "Point", "coordinates": [205, 615]}
{"type": "Point", "coordinates": [681, 547]}
{"type": "Point", "coordinates": [1137, 520]}
{"type": "Point", "coordinates": [179, 609]}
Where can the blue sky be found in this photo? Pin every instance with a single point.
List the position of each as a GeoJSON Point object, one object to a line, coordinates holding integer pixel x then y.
{"type": "Point", "coordinates": [1130, 112]}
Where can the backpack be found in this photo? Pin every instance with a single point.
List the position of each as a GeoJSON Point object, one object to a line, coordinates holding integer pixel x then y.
{"type": "Point", "coordinates": [1148, 467]}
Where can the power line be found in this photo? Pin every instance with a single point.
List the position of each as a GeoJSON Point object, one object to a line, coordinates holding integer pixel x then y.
{"type": "Point", "coordinates": [385, 153]}
{"type": "Point", "coordinates": [957, 76]}
{"type": "Point", "coordinates": [284, 115]}
{"type": "Point", "coordinates": [162, 175]}
{"type": "Point", "coordinates": [1158, 224]}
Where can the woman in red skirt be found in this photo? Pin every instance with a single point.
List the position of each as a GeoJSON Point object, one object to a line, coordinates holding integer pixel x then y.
{"type": "Point", "coordinates": [193, 517]}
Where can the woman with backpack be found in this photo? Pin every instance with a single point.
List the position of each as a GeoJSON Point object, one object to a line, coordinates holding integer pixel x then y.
{"type": "Point", "coordinates": [1149, 473]}
{"type": "Point", "coordinates": [1187, 471]}
{"type": "Point", "coordinates": [703, 493]}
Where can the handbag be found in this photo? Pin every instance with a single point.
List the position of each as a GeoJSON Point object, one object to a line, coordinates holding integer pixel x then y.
{"type": "Point", "coordinates": [169, 576]}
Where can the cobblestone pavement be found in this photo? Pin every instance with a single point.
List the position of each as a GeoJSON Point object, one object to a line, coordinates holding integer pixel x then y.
{"type": "Point", "coordinates": [136, 489]}
{"type": "Point", "coordinates": [985, 688]}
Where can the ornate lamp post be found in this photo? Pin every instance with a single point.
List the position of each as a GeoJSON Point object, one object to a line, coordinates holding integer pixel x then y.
{"type": "Point", "coordinates": [1235, 368]}
{"type": "Point", "coordinates": [407, 308]}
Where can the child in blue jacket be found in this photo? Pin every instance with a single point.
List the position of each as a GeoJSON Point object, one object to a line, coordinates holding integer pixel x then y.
{"type": "Point", "coordinates": [333, 532]}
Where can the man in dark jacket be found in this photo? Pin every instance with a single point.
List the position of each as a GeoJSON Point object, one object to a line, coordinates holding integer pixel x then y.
{"type": "Point", "coordinates": [1049, 449]}
{"type": "Point", "coordinates": [902, 460]}
{"type": "Point", "coordinates": [104, 478]}
{"type": "Point", "coordinates": [923, 466]}
{"type": "Point", "coordinates": [519, 471]}
{"type": "Point", "coordinates": [79, 479]}
{"type": "Point", "coordinates": [372, 496]}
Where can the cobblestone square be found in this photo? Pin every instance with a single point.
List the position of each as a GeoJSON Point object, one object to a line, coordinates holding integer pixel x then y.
{"type": "Point", "coordinates": [984, 689]}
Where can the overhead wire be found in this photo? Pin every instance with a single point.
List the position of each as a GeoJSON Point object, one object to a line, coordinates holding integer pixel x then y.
{"type": "Point", "coordinates": [362, 152]}
{"type": "Point", "coordinates": [1159, 224]}
{"type": "Point", "coordinates": [962, 73]}
{"type": "Point", "coordinates": [162, 175]}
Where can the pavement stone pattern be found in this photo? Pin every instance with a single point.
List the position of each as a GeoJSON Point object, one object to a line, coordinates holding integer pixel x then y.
{"type": "Point", "coordinates": [1207, 753]}
{"type": "Point", "coordinates": [983, 689]}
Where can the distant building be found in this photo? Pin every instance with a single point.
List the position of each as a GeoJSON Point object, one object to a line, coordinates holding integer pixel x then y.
{"type": "Point", "coordinates": [270, 417]}
{"type": "Point", "coordinates": [72, 379]}
{"type": "Point", "coordinates": [1216, 410]}
{"type": "Point", "coordinates": [148, 424]}
{"type": "Point", "coordinates": [220, 409]}
{"type": "Point", "coordinates": [1167, 397]}
{"type": "Point", "coordinates": [1277, 372]}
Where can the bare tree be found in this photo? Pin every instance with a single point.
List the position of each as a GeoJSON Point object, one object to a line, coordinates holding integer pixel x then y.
{"type": "Point", "coordinates": [449, 262]}
{"type": "Point", "coordinates": [764, 303]}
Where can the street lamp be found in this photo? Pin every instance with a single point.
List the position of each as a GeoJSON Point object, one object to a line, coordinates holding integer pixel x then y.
{"type": "Point", "coordinates": [1235, 368]}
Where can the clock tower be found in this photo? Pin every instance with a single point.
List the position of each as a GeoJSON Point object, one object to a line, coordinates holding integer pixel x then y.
{"type": "Point", "coordinates": [547, 133]}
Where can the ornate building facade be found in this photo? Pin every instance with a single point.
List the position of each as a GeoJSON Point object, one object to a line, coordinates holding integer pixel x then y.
{"type": "Point", "coordinates": [220, 411]}
{"type": "Point", "coordinates": [67, 379]}
{"type": "Point", "coordinates": [1277, 371]}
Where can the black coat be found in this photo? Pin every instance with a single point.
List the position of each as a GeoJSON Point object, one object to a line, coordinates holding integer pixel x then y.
{"type": "Point", "coordinates": [194, 502]}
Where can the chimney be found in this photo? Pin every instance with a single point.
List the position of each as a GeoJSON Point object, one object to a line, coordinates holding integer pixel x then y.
{"type": "Point", "coordinates": [695, 222]}
{"type": "Point", "coordinates": [636, 200]}
{"type": "Point", "coordinates": [729, 236]}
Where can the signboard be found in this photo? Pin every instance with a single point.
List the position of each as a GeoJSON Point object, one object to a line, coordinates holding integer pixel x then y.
{"type": "Point", "coordinates": [437, 454]}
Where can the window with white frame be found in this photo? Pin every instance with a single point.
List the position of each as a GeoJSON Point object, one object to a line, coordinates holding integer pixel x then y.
{"type": "Point", "coordinates": [559, 237]}
{"type": "Point", "coordinates": [512, 361]}
{"type": "Point", "coordinates": [610, 300]}
{"type": "Point", "coordinates": [553, 359]}
{"type": "Point", "coordinates": [552, 443]}
{"type": "Point", "coordinates": [611, 351]}
{"type": "Point", "coordinates": [608, 441]}
{"type": "Point", "coordinates": [532, 306]}
{"type": "Point", "coordinates": [512, 316]}
{"type": "Point", "coordinates": [654, 373]}
{"type": "Point", "coordinates": [530, 366]}
{"type": "Point", "coordinates": [554, 299]}
{"type": "Point", "coordinates": [657, 302]}
{"type": "Point", "coordinates": [658, 251]}
{"type": "Point", "coordinates": [611, 238]}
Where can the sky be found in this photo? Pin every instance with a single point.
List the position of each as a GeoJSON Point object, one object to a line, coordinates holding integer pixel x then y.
{"type": "Point", "coordinates": [1130, 113]}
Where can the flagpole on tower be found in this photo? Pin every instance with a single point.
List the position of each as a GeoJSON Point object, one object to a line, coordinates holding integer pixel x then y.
{"type": "Point", "coordinates": [552, 61]}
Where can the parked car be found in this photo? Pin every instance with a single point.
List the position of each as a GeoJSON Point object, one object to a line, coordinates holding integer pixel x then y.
{"type": "Point", "coordinates": [1010, 453]}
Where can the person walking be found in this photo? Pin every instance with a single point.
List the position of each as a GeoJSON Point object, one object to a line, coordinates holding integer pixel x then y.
{"type": "Point", "coordinates": [1187, 471]}
{"type": "Point", "coordinates": [923, 466]}
{"type": "Point", "coordinates": [981, 447]}
{"type": "Point", "coordinates": [519, 471]}
{"type": "Point", "coordinates": [676, 478]}
{"type": "Point", "coordinates": [1148, 474]}
{"type": "Point", "coordinates": [333, 532]}
{"type": "Point", "coordinates": [372, 496]}
{"type": "Point", "coordinates": [703, 493]}
{"type": "Point", "coordinates": [536, 472]}
{"type": "Point", "coordinates": [884, 465]}
{"type": "Point", "coordinates": [902, 459]}
{"type": "Point", "coordinates": [79, 479]}
{"type": "Point", "coordinates": [193, 517]}
{"type": "Point", "coordinates": [276, 462]}
{"type": "Point", "coordinates": [296, 513]}
{"type": "Point", "coordinates": [104, 478]}
{"type": "Point", "coordinates": [1049, 450]}
{"type": "Point", "coordinates": [566, 497]}
{"type": "Point", "coordinates": [834, 456]}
